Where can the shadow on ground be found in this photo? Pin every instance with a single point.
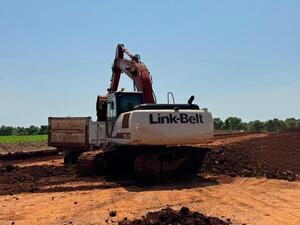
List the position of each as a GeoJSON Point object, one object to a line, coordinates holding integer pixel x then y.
{"type": "Point", "coordinates": [60, 178]}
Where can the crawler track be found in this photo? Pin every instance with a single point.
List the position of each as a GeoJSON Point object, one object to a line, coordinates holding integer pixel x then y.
{"type": "Point", "coordinates": [90, 162]}
{"type": "Point", "coordinates": [143, 162]}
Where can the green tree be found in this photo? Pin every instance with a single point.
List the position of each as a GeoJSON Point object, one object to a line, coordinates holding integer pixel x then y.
{"type": "Point", "coordinates": [244, 126]}
{"type": "Point", "coordinates": [256, 125]}
{"type": "Point", "coordinates": [274, 125]}
{"type": "Point", "coordinates": [6, 130]}
{"type": "Point", "coordinates": [33, 130]}
{"type": "Point", "coordinates": [43, 129]}
{"type": "Point", "coordinates": [291, 123]}
{"type": "Point", "coordinates": [233, 123]}
{"type": "Point", "coordinates": [20, 131]}
{"type": "Point", "coordinates": [298, 124]}
{"type": "Point", "coordinates": [282, 125]}
{"type": "Point", "coordinates": [218, 123]}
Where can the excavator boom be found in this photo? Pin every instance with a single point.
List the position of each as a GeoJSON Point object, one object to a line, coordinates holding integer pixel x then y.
{"type": "Point", "coordinates": [135, 70]}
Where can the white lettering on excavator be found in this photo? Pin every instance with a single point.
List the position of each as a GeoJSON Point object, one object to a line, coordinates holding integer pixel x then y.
{"type": "Point", "coordinates": [181, 118]}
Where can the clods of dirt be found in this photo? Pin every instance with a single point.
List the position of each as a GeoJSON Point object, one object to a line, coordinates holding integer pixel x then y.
{"type": "Point", "coordinates": [169, 216]}
{"type": "Point", "coordinates": [231, 162]}
{"type": "Point", "coordinates": [17, 155]}
{"type": "Point", "coordinates": [112, 213]}
{"type": "Point", "coordinates": [15, 179]}
{"type": "Point", "coordinates": [276, 156]}
{"type": "Point", "coordinates": [23, 147]}
{"type": "Point", "coordinates": [31, 177]}
{"type": "Point", "coordinates": [7, 169]}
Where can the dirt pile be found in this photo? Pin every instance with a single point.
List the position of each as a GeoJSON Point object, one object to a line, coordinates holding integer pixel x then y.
{"type": "Point", "coordinates": [23, 147]}
{"type": "Point", "coordinates": [15, 179]}
{"type": "Point", "coordinates": [274, 156]}
{"type": "Point", "coordinates": [17, 155]}
{"type": "Point", "coordinates": [169, 216]}
{"type": "Point", "coordinates": [46, 174]}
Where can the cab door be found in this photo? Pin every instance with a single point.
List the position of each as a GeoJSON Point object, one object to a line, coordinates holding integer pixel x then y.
{"type": "Point", "coordinates": [111, 114]}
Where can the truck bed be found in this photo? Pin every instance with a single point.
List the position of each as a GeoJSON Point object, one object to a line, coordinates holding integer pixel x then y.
{"type": "Point", "coordinates": [76, 132]}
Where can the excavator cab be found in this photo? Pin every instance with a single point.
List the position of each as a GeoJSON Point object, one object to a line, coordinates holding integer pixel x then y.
{"type": "Point", "coordinates": [120, 102]}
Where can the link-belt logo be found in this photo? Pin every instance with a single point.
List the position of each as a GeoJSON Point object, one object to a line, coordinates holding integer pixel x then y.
{"type": "Point", "coordinates": [179, 118]}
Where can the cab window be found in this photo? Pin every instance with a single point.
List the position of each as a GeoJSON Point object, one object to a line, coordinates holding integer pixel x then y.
{"type": "Point", "coordinates": [128, 102]}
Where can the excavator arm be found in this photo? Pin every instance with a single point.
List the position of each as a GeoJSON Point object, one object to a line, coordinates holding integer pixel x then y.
{"type": "Point", "coordinates": [134, 69]}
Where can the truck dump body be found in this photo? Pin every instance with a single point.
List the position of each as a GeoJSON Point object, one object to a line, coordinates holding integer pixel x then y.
{"type": "Point", "coordinates": [77, 132]}
{"type": "Point", "coordinates": [68, 131]}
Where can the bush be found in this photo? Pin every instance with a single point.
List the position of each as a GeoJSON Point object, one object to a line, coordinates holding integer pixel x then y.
{"type": "Point", "coordinates": [218, 123]}
{"type": "Point", "coordinates": [233, 123]}
{"type": "Point", "coordinates": [33, 130]}
{"type": "Point", "coordinates": [256, 126]}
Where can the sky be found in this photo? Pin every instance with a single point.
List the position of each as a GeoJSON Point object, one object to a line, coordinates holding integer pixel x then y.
{"type": "Point", "coordinates": [238, 58]}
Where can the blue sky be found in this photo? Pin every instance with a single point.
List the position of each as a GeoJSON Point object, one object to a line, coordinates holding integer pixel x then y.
{"type": "Point", "coordinates": [239, 58]}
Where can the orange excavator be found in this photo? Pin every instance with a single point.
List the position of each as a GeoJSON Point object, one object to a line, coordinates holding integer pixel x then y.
{"type": "Point", "coordinates": [132, 131]}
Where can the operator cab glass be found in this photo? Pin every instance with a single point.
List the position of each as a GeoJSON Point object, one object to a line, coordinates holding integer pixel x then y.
{"type": "Point", "coordinates": [127, 101]}
{"type": "Point", "coordinates": [120, 102]}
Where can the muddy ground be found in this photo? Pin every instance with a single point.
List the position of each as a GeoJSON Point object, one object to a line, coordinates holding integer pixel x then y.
{"type": "Point", "coordinates": [235, 184]}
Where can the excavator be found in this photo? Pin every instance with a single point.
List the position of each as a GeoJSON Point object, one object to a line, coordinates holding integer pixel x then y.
{"type": "Point", "coordinates": [132, 131]}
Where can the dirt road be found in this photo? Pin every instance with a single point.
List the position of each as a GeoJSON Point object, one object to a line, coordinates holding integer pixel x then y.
{"type": "Point", "coordinates": [43, 191]}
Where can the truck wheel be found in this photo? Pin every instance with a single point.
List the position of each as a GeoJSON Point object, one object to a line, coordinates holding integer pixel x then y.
{"type": "Point", "coordinates": [71, 156]}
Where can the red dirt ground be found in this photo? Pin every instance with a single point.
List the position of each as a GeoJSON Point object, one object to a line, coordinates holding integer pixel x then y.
{"type": "Point", "coordinates": [275, 155]}
{"type": "Point", "coordinates": [23, 147]}
{"type": "Point", "coordinates": [42, 190]}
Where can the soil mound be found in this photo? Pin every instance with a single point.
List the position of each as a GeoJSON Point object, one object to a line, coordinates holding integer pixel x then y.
{"type": "Point", "coordinates": [274, 156]}
{"type": "Point", "coordinates": [23, 147]}
{"type": "Point", "coordinates": [15, 179]}
{"type": "Point", "coordinates": [169, 216]}
{"type": "Point", "coordinates": [17, 155]}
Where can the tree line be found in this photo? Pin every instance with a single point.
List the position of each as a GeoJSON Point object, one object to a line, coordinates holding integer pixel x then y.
{"type": "Point", "coordinates": [31, 130]}
{"type": "Point", "coordinates": [231, 123]}
{"type": "Point", "coordinates": [235, 123]}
